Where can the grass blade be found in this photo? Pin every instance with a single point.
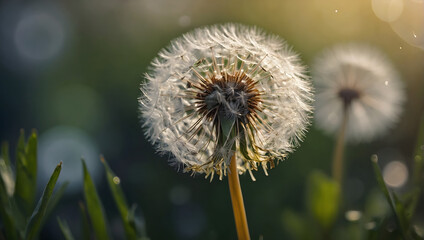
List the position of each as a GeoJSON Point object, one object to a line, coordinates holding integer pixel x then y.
{"type": "Point", "coordinates": [7, 185]}
{"type": "Point", "coordinates": [136, 223]}
{"type": "Point", "coordinates": [5, 213]}
{"type": "Point", "coordinates": [118, 196]}
{"type": "Point", "coordinates": [94, 206]}
{"type": "Point", "coordinates": [56, 197]}
{"type": "Point", "coordinates": [85, 224]}
{"type": "Point", "coordinates": [31, 157]}
{"type": "Point", "coordinates": [383, 187]}
{"type": "Point", "coordinates": [26, 172]}
{"type": "Point", "coordinates": [38, 215]}
{"type": "Point", "coordinates": [54, 200]}
{"type": "Point", "coordinates": [65, 229]}
{"type": "Point", "coordinates": [419, 145]}
{"type": "Point", "coordinates": [5, 153]}
{"type": "Point", "coordinates": [7, 177]}
{"type": "Point", "coordinates": [6, 172]}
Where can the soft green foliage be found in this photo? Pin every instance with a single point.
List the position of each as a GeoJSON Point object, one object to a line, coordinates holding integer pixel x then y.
{"type": "Point", "coordinates": [94, 212]}
{"type": "Point", "coordinates": [26, 173]}
{"type": "Point", "coordinates": [403, 207]}
{"type": "Point", "coordinates": [41, 209]}
{"type": "Point", "coordinates": [323, 197]}
{"type": "Point", "coordinates": [17, 194]}
{"type": "Point", "coordinates": [8, 177]}
{"type": "Point", "coordinates": [85, 223]}
{"type": "Point", "coordinates": [323, 204]}
{"type": "Point", "coordinates": [322, 201]}
{"type": "Point", "coordinates": [94, 206]}
{"type": "Point", "coordinates": [65, 229]}
{"type": "Point", "coordinates": [295, 224]}
{"type": "Point", "coordinates": [54, 200]}
{"type": "Point", "coordinates": [118, 195]}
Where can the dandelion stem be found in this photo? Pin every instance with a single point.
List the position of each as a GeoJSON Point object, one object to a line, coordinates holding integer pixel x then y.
{"type": "Point", "coordinates": [339, 150]}
{"type": "Point", "coordinates": [237, 201]}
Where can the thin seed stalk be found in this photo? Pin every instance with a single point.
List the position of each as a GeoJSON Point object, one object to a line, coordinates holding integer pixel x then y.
{"type": "Point", "coordinates": [237, 201]}
{"type": "Point", "coordinates": [339, 149]}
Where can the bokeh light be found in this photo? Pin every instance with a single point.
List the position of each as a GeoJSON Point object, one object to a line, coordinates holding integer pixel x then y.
{"type": "Point", "coordinates": [184, 21]}
{"type": "Point", "coordinates": [395, 174]}
{"type": "Point", "coordinates": [370, 225]}
{"type": "Point", "coordinates": [387, 10]}
{"type": "Point", "coordinates": [69, 145]}
{"type": "Point", "coordinates": [39, 36]}
{"type": "Point", "coordinates": [33, 33]}
{"type": "Point", "coordinates": [353, 215]}
{"type": "Point", "coordinates": [410, 25]}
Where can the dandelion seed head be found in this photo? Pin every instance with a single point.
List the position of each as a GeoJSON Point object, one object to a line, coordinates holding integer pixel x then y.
{"type": "Point", "coordinates": [224, 90]}
{"type": "Point", "coordinates": [361, 78]}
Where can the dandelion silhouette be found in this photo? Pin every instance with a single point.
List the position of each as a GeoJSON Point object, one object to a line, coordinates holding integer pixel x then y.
{"type": "Point", "coordinates": [358, 94]}
{"type": "Point", "coordinates": [226, 98]}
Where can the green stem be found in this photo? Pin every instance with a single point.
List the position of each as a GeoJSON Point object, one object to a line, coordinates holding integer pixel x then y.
{"type": "Point", "coordinates": [237, 201]}
{"type": "Point", "coordinates": [339, 149]}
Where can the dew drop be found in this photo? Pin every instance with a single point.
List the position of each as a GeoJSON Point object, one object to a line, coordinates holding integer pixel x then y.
{"type": "Point", "coordinates": [116, 180]}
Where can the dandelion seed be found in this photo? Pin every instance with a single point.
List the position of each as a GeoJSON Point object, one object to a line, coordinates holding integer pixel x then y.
{"type": "Point", "coordinates": [225, 90]}
{"type": "Point", "coordinates": [116, 180]}
{"type": "Point", "coordinates": [361, 80]}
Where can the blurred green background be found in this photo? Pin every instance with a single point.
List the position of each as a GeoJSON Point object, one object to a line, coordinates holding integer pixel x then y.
{"type": "Point", "coordinates": [72, 69]}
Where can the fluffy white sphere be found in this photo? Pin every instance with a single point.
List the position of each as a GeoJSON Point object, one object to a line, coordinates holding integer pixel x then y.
{"type": "Point", "coordinates": [224, 90]}
{"type": "Point", "coordinates": [369, 80]}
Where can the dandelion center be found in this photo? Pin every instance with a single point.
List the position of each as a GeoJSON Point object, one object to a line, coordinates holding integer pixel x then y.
{"type": "Point", "coordinates": [231, 97]}
{"type": "Point", "coordinates": [348, 95]}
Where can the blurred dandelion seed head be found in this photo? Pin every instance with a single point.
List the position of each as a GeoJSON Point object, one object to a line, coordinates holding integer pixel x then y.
{"type": "Point", "coordinates": [224, 90]}
{"type": "Point", "coordinates": [361, 80]}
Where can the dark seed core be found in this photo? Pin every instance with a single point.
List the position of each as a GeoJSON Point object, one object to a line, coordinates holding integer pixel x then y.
{"type": "Point", "coordinates": [348, 95]}
{"type": "Point", "coordinates": [230, 96]}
